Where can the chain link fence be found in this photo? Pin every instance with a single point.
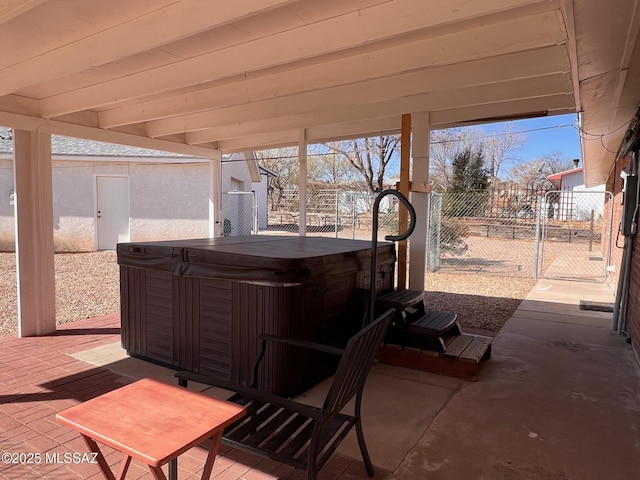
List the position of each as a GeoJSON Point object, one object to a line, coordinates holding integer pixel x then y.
{"type": "Point", "coordinates": [576, 235]}
{"type": "Point", "coordinates": [524, 233]}
{"type": "Point", "coordinates": [484, 232]}
{"type": "Point", "coordinates": [516, 232]}
{"type": "Point", "coordinates": [334, 213]}
{"type": "Point", "coordinates": [239, 214]}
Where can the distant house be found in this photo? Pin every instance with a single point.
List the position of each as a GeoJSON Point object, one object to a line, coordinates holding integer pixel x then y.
{"type": "Point", "coordinates": [105, 194]}
{"type": "Point", "coordinates": [575, 201]}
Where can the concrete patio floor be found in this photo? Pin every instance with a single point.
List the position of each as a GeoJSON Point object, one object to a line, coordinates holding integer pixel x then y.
{"type": "Point", "coordinates": [559, 399]}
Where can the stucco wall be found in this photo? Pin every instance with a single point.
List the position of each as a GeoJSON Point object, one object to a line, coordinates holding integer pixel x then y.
{"type": "Point", "coordinates": [261, 191]}
{"type": "Point", "coordinates": [169, 201]}
{"type": "Point", "coordinates": [7, 225]}
{"type": "Point", "coordinates": [73, 206]}
{"type": "Point", "coordinates": [166, 201]}
{"type": "Point", "coordinates": [235, 167]}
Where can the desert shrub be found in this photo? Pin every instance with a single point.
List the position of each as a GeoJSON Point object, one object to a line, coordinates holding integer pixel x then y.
{"type": "Point", "coordinates": [452, 235]}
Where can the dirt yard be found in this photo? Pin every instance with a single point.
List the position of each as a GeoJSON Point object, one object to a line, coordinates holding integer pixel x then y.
{"type": "Point", "coordinates": [87, 285]}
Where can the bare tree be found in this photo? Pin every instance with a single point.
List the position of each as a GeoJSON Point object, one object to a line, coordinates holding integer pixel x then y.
{"type": "Point", "coordinates": [330, 168]}
{"type": "Point", "coordinates": [556, 162]}
{"type": "Point", "coordinates": [499, 146]}
{"type": "Point", "coordinates": [285, 164]}
{"type": "Point", "coordinates": [535, 172]}
{"type": "Point", "coordinates": [370, 156]}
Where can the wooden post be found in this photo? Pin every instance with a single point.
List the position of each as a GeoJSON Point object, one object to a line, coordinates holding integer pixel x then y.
{"type": "Point", "coordinates": [403, 216]}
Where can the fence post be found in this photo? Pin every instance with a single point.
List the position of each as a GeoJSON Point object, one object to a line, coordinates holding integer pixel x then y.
{"type": "Point", "coordinates": [591, 233]}
{"type": "Point", "coordinates": [353, 217]}
{"type": "Point", "coordinates": [537, 241]}
{"type": "Point", "coordinates": [336, 222]}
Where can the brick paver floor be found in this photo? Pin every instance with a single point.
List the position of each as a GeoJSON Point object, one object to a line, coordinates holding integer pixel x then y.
{"type": "Point", "coordinates": [39, 377]}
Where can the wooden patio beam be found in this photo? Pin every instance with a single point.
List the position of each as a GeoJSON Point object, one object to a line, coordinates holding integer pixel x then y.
{"type": "Point", "coordinates": [34, 233]}
{"type": "Point", "coordinates": [403, 216]}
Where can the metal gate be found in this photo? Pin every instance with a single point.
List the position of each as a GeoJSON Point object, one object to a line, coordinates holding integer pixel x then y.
{"type": "Point", "coordinates": [239, 214]}
{"type": "Point", "coordinates": [575, 235]}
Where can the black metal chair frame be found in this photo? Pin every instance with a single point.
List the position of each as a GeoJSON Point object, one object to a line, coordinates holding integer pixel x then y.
{"type": "Point", "coordinates": [295, 433]}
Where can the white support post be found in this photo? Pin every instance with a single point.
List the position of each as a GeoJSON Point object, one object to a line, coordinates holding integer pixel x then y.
{"type": "Point", "coordinates": [419, 174]}
{"type": "Point", "coordinates": [215, 196]}
{"type": "Point", "coordinates": [32, 169]}
{"type": "Point", "coordinates": [302, 182]}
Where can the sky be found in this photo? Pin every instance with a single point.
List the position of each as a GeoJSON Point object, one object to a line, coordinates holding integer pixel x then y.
{"type": "Point", "coordinates": [542, 136]}
{"type": "Point", "coordinates": [545, 135]}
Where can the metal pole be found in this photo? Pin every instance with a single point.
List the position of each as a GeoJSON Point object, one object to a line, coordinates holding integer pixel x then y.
{"type": "Point", "coordinates": [392, 238]}
{"type": "Point", "coordinates": [591, 233]}
{"type": "Point", "coordinates": [537, 240]}
{"type": "Point", "coordinates": [337, 218]}
{"type": "Point", "coordinates": [353, 217]}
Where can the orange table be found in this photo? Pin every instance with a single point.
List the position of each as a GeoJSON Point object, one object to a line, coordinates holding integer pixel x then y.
{"type": "Point", "coordinates": [153, 422]}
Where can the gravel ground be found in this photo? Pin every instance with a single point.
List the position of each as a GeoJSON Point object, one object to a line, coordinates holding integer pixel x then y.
{"type": "Point", "coordinates": [87, 285]}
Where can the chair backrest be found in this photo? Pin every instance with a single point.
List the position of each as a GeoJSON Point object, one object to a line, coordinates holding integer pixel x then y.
{"type": "Point", "coordinates": [356, 362]}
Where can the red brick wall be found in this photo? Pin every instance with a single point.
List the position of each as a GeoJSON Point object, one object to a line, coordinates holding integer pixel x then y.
{"type": "Point", "coordinates": [614, 185]}
{"type": "Point", "coordinates": [634, 297]}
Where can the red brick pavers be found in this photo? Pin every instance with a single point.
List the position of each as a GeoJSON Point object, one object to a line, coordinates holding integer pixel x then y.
{"type": "Point", "coordinates": [39, 377]}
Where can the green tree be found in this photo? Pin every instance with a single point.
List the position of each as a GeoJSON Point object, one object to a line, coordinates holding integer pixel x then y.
{"type": "Point", "coordinates": [467, 196]}
{"type": "Point", "coordinates": [469, 172]}
{"type": "Point", "coordinates": [499, 146]}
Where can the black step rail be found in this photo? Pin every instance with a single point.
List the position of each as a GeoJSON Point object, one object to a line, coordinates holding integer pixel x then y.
{"type": "Point", "coordinates": [391, 238]}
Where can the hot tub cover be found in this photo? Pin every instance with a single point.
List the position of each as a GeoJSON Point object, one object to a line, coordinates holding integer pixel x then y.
{"type": "Point", "coordinates": [264, 259]}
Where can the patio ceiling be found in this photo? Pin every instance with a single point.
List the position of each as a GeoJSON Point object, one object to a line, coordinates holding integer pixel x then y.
{"type": "Point", "coordinates": [197, 76]}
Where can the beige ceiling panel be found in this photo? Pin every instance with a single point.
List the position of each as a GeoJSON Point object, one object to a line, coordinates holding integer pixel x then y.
{"type": "Point", "coordinates": [226, 36]}
{"type": "Point", "coordinates": [430, 52]}
{"type": "Point", "coordinates": [260, 141]}
{"type": "Point", "coordinates": [481, 95]}
{"type": "Point", "coordinates": [436, 83]}
{"type": "Point", "coordinates": [10, 9]}
{"type": "Point", "coordinates": [54, 24]}
{"type": "Point", "coordinates": [372, 24]}
{"type": "Point", "coordinates": [159, 27]}
{"type": "Point", "coordinates": [218, 39]}
{"type": "Point", "coordinates": [556, 104]}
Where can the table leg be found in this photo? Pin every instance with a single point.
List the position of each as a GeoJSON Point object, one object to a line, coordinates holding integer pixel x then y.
{"type": "Point", "coordinates": [124, 466]}
{"type": "Point", "coordinates": [211, 457]}
{"type": "Point", "coordinates": [157, 473]}
{"type": "Point", "coordinates": [102, 462]}
{"type": "Point", "coordinates": [173, 469]}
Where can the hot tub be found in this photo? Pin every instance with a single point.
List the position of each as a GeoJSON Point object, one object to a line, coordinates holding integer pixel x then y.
{"type": "Point", "coordinates": [200, 304]}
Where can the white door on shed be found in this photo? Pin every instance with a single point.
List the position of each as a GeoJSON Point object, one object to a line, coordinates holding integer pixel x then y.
{"type": "Point", "coordinates": [112, 211]}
